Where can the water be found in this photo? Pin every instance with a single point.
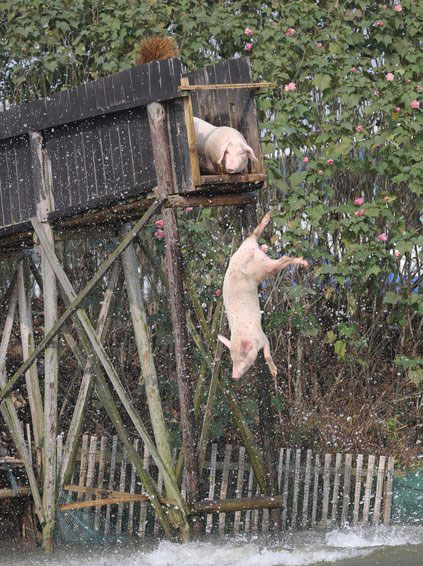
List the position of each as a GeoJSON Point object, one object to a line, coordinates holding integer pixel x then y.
{"type": "Point", "coordinates": [387, 546]}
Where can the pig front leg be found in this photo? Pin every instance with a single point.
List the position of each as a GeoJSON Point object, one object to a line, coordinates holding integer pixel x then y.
{"type": "Point", "coordinates": [268, 357]}
{"type": "Point", "coordinates": [273, 266]}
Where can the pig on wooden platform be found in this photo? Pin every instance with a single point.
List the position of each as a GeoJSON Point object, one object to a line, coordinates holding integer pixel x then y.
{"type": "Point", "coordinates": [248, 267]}
{"type": "Point", "coordinates": [221, 149]}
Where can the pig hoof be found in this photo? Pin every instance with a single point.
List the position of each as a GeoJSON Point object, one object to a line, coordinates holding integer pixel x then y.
{"type": "Point", "coordinates": [266, 218]}
{"type": "Point", "coordinates": [264, 248]}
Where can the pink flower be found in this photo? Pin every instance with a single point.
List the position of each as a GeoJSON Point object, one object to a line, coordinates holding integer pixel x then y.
{"type": "Point", "coordinates": [398, 8]}
{"type": "Point", "coordinates": [382, 237]}
{"type": "Point", "coordinates": [384, 7]}
{"type": "Point", "coordinates": [319, 45]}
{"type": "Point", "coordinates": [305, 160]}
{"type": "Point", "coordinates": [248, 32]}
{"type": "Point", "coordinates": [290, 87]}
{"type": "Point", "coordinates": [290, 32]}
{"type": "Point", "coordinates": [353, 69]}
{"type": "Point", "coordinates": [357, 213]}
{"type": "Point", "coordinates": [248, 47]}
{"type": "Point", "coordinates": [188, 209]}
{"type": "Point", "coordinates": [389, 77]}
{"type": "Point", "coordinates": [320, 172]}
{"type": "Point", "coordinates": [358, 201]}
{"type": "Point", "coordinates": [415, 104]}
{"type": "Point", "coordinates": [379, 23]}
{"type": "Point", "coordinates": [397, 254]}
{"type": "Point", "coordinates": [330, 162]}
{"type": "Point", "coordinates": [159, 234]}
{"type": "Point", "coordinates": [360, 128]}
{"type": "Point", "coordinates": [217, 293]}
{"type": "Point", "coordinates": [362, 212]}
{"type": "Point", "coordinates": [397, 109]}
{"type": "Point", "coordinates": [159, 224]}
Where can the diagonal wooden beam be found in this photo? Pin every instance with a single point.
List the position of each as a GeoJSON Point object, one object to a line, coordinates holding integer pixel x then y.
{"type": "Point", "coordinates": [74, 305]}
{"type": "Point", "coordinates": [9, 413]}
{"type": "Point", "coordinates": [99, 351]}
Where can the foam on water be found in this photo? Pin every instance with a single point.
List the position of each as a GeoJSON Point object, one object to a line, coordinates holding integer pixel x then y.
{"type": "Point", "coordinates": [352, 545]}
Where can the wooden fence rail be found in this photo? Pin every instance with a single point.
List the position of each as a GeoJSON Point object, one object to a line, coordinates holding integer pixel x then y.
{"type": "Point", "coordinates": [316, 490]}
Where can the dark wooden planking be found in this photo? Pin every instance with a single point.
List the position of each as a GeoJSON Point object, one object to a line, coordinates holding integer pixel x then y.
{"type": "Point", "coordinates": [120, 91]}
{"type": "Point", "coordinates": [179, 146]}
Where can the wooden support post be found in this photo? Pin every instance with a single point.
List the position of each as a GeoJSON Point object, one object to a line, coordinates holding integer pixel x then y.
{"type": "Point", "coordinates": [31, 376]}
{"type": "Point", "coordinates": [158, 130]}
{"type": "Point", "coordinates": [145, 354]}
{"type": "Point", "coordinates": [94, 349]}
{"type": "Point", "coordinates": [51, 354]}
{"type": "Point", "coordinates": [8, 410]}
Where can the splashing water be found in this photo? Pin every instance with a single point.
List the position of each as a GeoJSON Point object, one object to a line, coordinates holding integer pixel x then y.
{"type": "Point", "coordinates": [387, 546]}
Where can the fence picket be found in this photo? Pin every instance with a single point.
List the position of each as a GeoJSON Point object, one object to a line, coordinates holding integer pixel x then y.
{"type": "Point", "coordinates": [315, 490]}
{"type": "Point", "coordinates": [247, 525]}
{"type": "Point", "coordinates": [224, 485]}
{"type": "Point", "coordinates": [285, 487]}
{"type": "Point", "coordinates": [335, 492]}
{"type": "Point", "coordinates": [122, 484]}
{"type": "Point", "coordinates": [357, 492]}
{"type": "Point", "coordinates": [346, 492]}
{"type": "Point", "coordinates": [212, 484]}
{"type": "Point", "coordinates": [239, 485]}
{"type": "Point", "coordinates": [379, 488]}
{"type": "Point", "coordinates": [132, 490]}
{"type": "Point", "coordinates": [100, 479]}
{"type": "Point", "coordinates": [296, 488]}
{"type": "Point", "coordinates": [143, 505]}
{"type": "Point", "coordinates": [368, 489]}
{"type": "Point", "coordinates": [387, 511]}
{"type": "Point", "coordinates": [83, 465]}
{"type": "Point", "coordinates": [307, 478]}
{"type": "Point", "coordinates": [111, 484]}
{"type": "Point", "coordinates": [326, 487]}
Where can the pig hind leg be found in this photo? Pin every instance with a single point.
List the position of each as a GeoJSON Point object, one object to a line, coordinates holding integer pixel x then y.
{"type": "Point", "coordinates": [258, 230]}
{"type": "Point", "coordinates": [268, 357]}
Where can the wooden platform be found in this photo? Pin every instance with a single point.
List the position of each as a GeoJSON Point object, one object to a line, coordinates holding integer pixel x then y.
{"type": "Point", "coordinates": [97, 149]}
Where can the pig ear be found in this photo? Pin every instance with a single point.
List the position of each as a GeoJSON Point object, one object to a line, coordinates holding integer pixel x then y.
{"type": "Point", "coordinates": [249, 151]}
{"type": "Point", "coordinates": [246, 345]}
{"type": "Point", "coordinates": [222, 152]}
{"type": "Point", "coordinates": [225, 341]}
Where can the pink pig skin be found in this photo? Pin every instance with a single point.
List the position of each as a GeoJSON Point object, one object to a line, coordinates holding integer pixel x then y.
{"type": "Point", "coordinates": [221, 149]}
{"type": "Point", "coordinates": [248, 267]}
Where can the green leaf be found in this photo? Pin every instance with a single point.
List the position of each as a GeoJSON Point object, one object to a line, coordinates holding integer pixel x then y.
{"type": "Point", "coordinates": [340, 348]}
{"type": "Point", "coordinates": [391, 298]}
{"type": "Point", "coordinates": [322, 82]}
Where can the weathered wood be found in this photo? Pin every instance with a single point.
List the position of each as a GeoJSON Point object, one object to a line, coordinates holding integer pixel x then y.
{"type": "Point", "coordinates": [212, 483]}
{"type": "Point", "coordinates": [173, 257]}
{"type": "Point", "coordinates": [379, 490]}
{"type": "Point", "coordinates": [315, 490]}
{"type": "Point", "coordinates": [368, 489]}
{"type": "Point", "coordinates": [83, 464]}
{"type": "Point", "coordinates": [156, 526]}
{"type": "Point", "coordinates": [326, 486]}
{"type": "Point", "coordinates": [286, 486]}
{"type": "Point", "coordinates": [192, 147]}
{"type": "Point", "coordinates": [226, 86]}
{"type": "Point", "coordinates": [44, 204]}
{"type": "Point", "coordinates": [335, 492]}
{"type": "Point", "coordinates": [100, 478]}
{"type": "Point", "coordinates": [92, 452]}
{"type": "Point", "coordinates": [357, 493]}
{"type": "Point", "coordinates": [6, 493]}
{"type": "Point", "coordinates": [122, 483]}
{"type": "Point", "coordinates": [346, 490]}
{"type": "Point", "coordinates": [143, 507]}
{"type": "Point", "coordinates": [74, 305]}
{"type": "Point", "coordinates": [296, 488]}
{"type": "Point", "coordinates": [31, 376]}
{"type": "Point", "coordinates": [307, 479]}
{"type": "Point", "coordinates": [247, 522]}
{"type": "Point", "coordinates": [97, 503]}
{"type": "Point", "coordinates": [71, 445]}
{"type": "Point", "coordinates": [111, 484]}
{"type": "Point", "coordinates": [224, 485]}
{"type": "Point", "coordinates": [9, 412]}
{"type": "Point", "coordinates": [387, 510]}
{"type": "Point", "coordinates": [145, 354]}
{"type": "Point", "coordinates": [280, 469]}
{"type": "Point", "coordinates": [239, 486]}
{"type": "Point", "coordinates": [132, 491]}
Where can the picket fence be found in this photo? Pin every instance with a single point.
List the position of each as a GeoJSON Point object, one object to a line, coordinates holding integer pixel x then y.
{"type": "Point", "coordinates": [318, 491]}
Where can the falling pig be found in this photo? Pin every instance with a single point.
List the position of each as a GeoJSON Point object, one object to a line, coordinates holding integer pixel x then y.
{"type": "Point", "coordinates": [248, 267]}
{"type": "Point", "coordinates": [221, 149]}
